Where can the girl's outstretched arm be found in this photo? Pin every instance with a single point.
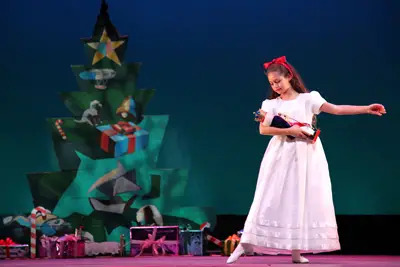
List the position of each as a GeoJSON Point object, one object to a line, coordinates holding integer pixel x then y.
{"type": "Point", "coordinates": [374, 109]}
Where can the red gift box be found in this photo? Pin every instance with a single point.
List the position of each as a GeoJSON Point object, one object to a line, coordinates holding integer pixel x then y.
{"type": "Point", "coordinates": [117, 133]}
{"type": "Point", "coordinates": [70, 247]}
{"type": "Point", "coordinates": [48, 247]}
{"type": "Point", "coordinates": [105, 142]}
{"type": "Point", "coordinates": [108, 145]}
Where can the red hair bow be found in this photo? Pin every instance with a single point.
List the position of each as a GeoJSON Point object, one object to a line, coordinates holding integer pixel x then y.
{"type": "Point", "coordinates": [281, 61]}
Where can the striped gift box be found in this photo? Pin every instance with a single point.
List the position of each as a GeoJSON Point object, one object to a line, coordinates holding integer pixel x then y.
{"type": "Point", "coordinates": [122, 143]}
{"type": "Point", "coordinates": [14, 251]}
{"type": "Point", "coordinates": [148, 240]}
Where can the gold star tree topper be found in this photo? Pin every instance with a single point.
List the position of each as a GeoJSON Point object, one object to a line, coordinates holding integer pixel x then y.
{"type": "Point", "coordinates": [105, 48]}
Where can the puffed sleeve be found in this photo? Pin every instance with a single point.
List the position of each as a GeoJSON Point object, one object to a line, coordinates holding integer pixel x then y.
{"type": "Point", "coordinates": [268, 108]}
{"type": "Point", "coordinates": [315, 102]}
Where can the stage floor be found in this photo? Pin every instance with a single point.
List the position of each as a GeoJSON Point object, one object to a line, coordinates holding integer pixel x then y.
{"type": "Point", "coordinates": [315, 260]}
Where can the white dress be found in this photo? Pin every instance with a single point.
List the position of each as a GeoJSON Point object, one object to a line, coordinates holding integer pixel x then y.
{"type": "Point", "coordinates": [292, 206]}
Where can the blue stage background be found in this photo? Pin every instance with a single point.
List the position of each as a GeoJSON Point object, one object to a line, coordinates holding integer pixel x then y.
{"type": "Point", "coordinates": [205, 58]}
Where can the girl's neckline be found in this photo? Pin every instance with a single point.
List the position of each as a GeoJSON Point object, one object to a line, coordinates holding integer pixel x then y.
{"type": "Point", "coordinates": [289, 99]}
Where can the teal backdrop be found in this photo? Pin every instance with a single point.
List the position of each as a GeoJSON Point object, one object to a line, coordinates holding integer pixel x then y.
{"type": "Point", "coordinates": [204, 58]}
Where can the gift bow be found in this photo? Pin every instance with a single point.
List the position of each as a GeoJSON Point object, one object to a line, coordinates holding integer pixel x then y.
{"type": "Point", "coordinates": [6, 242]}
{"type": "Point", "coordinates": [125, 127]}
{"type": "Point", "coordinates": [279, 60]}
{"type": "Point", "coordinates": [66, 237]}
{"type": "Point", "coordinates": [153, 243]}
{"type": "Point", "coordinates": [233, 238]}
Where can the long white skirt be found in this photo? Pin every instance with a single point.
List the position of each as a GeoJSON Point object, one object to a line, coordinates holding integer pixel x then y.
{"type": "Point", "coordinates": [292, 206]}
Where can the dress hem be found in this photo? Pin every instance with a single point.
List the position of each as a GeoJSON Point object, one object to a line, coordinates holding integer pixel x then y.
{"type": "Point", "coordinates": [270, 250]}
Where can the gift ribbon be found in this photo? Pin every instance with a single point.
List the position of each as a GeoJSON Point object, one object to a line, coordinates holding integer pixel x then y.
{"type": "Point", "coordinates": [120, 131]}
{"type": "Point", "coordinates": [124, 127]}
{"type": "Point", "coordinates": [153, 243]}
{"type": "Point", "coordinates": [7, 242]}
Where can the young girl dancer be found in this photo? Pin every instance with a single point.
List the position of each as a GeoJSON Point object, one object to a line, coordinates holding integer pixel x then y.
{"type": "Point", "coordinates": [292, 211]}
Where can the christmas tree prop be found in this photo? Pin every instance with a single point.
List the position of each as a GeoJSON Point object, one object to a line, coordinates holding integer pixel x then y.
{"type": "Point", "coordinates": [108, 150]}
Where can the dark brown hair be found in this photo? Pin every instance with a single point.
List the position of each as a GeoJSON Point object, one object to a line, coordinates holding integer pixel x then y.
{"type": "Point", "coordinates": [296, 82]}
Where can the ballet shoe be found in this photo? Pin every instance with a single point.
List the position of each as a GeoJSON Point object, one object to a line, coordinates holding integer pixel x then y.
{"type": "Point", "coordinates": [235, 254]}
{"type": "Point", "coordinates": [300, 260]}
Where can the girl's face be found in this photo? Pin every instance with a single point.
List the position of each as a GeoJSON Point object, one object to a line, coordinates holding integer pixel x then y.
{"type": "Point", "coordinates": [279, 83]}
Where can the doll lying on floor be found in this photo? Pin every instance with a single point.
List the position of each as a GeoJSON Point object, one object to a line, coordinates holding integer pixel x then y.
{"type": "Point", "coordinates": [283, 121]}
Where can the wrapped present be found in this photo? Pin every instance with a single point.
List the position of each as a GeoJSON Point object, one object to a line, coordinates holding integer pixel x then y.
{"type": "Point", "coordinates": [192, 242]}
{"type": "Point", "coordinates": [230, 244]}
{"type": "Point", "coordinates": [70, 246]}
{"type": "Point", "coordinates": [67, 246]}
{"type": "Point", "coordinates": [122, 138]}
{"type": "Point", "coordinates": [48, 247]}
{"type": "Point", "coordinates": [8, 249]}
{"type": "Point", "coordinates": [154, 240]}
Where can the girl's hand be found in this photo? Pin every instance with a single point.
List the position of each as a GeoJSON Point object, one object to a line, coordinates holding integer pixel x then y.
{"type": "Point", "coordinates": [376, 109]}
{"type": "Point", "coordinates": [296, 131]}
